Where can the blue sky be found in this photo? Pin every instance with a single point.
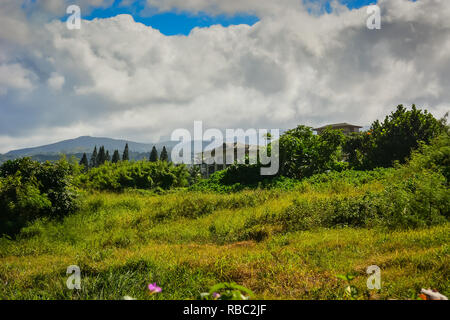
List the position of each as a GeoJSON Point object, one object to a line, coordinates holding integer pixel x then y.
{"type": "Point", "coordinates": [352, 4]}
{"type": "Point", "coordinates": [176, 23]}
{"type": "Point", "coordinates": [171, 23]}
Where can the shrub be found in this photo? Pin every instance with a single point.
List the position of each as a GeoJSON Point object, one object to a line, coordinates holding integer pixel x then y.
{"type": "Point", "coordinates": [139, 175]}
{"type": "Point", "coordinates": [349, 177]}
{"type": "Point", "coordinates": [234, 179]}
{"type": "Point", "coordinates": [434, 157]}
{"type": "Point", "coordinates": [417, 201]}
{"type": "Point", "coordinates": [420, 187]}
{"type": "Point", "coordinates": [303, 154]}
{"type": "Point", "coordinates": [394, 139]}
{"type": "Point", "coordinates": [30, 190]}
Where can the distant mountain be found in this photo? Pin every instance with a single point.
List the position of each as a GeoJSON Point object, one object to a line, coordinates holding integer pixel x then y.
{"type": "Point", "coordinates": [76, 147]}
{"type": "Point", "coordinates": [80, 145]}
{"type": "Point", "coordinates": [86, 144]}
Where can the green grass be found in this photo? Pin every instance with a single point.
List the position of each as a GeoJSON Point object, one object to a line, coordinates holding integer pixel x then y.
{"type": "Point", "coordinates": [188, 241]}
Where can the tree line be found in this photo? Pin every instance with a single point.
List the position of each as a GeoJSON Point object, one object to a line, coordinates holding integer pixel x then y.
{"type": "Point", "coordinates": [303, 154]}
{"type": "Point", "coordinates": [101, 156]}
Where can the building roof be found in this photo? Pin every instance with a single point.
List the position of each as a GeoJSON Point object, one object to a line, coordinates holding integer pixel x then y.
{"type": "Point", "coordinates": [338, 125]}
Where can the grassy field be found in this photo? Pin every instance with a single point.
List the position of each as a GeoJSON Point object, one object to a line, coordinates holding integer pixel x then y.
{"type": "Point", "coordinates": [188, 241]}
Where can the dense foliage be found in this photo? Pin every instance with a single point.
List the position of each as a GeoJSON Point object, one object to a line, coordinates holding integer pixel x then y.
{"type": "Point", "coordinates": [153, 155]}
{"type": "Point", "coordinates": [303, 154]}
{"type": "Point", "coordinates": [29, 189]}
{"type": "Point", "coordinates": [139, 175]}
{"type": "Point", "coordinates": [224, 181]}
{"type": "Point", "coordinates": [393, 139]}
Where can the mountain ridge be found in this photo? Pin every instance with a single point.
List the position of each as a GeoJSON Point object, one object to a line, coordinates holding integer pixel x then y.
{"type": "Point", "coordinates": [85, 144]}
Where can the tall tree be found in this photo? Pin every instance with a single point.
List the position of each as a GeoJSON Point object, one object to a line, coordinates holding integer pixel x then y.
{"type": "Point", "coordinates": [108, 157]}
{"type": "Point", "coordinates": [101, 157]}
{"type": "Point", "coordinates": [115, 157]}
{"type": "Point", "coordinates": [84, 162]}
{"type": "Point", "coordinates": [154, 155]}
{"type": "Point", "coordinates": [393, 139]}
{"type": "Point", "coordinates": [164, 155]}
{"type": "Point", "coordinates": [93, 162]}
{"type": "Point", "coordinates": [125, 155]}
{"type": "Point", "coordinates": [303, 154]}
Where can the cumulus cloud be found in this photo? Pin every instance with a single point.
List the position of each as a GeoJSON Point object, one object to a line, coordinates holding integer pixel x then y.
{"type": "Point", "coordinates": [56, 81]}
{"type": "Point", "coordinates": [14, 76]}
{"type": "Point", "coordinates": [116, 77]}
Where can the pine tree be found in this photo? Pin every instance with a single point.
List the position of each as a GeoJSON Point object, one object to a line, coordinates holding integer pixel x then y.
{"type": "Point", "coordinates": [115, 157]}
{"type": "Point", "coordinates": [154, 155]}
{"type": "Point", "coordinates": [108, 157]}
{"type": "Point", "coordinates": [125, 155]}
{"type": "Point", "coordinates": [101, 157]}
{"type": "Point", "coordinates": [93, 163]}
{"type": "Point", "coordinates": [164, 156]}
{"type": "Point", "coordinates": [84, 162]}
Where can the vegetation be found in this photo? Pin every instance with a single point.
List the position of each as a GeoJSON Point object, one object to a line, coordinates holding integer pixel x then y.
{"type": "Point", "coordinates": [140, 174]}
{"type": "Point", "coordinates": [125, 155]}
{"type": "Point", "coordinates": [94, 158]}
{"type": "Point", "coordinates": [303, 154]}
{"type": "Point", "coordinates": [393, 139]}
{"type": "Point", "coordinates": [308, 233]}
{"type": "Point", "coordinates": [164, 155]}
{"type": "Point", "coordinates": [29, 190]}
{"type": "Point", "coordinates": [84, 163]}
{"type": "Point", "coordinates": [115, 157]}
{"type": "Point", "coordinates": [188, 241]}
{"type": "Point", "coordinates": [153, 155]}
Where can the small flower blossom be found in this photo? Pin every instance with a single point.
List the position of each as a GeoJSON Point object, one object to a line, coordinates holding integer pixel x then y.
{"type": "Point", "coordinates": [154, 288]}
{"type": "Point", "coordinates": [215, 295]}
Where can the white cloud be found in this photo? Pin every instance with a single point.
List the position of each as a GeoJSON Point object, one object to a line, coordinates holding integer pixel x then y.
{"type": "Point", "coordinates": [56, 81]}
{"type": "Point", "coordinates": [119, 78]}
{"type": "Point", "coordinates": [14, 76]}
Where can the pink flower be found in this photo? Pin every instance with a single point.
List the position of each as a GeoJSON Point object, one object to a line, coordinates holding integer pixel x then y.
{"type": "Point", "coordinates": [216, 295]}
{"type": "Point", "coordinates": [154, 288]}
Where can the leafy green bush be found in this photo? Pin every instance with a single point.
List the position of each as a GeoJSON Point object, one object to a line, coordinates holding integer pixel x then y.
{"type": "Point", "coordinates": [420, 187]}
{"type": "Point", "coordinates": [434, 157]}
{"type": "Point", "coordinates": [30, 190]}
{"type": "Point", "coordinates": [421, 200]}
{"type": "Point", "coordinates": [19, 203]}
{"type": "Point", "coordinates": [303, 154]}
{"type": "Point", "coordinates": [140, 175]}
{"type": "Point", "coordinates": [392, 140]}
{"type": "Point", "coordinates": [334, 181]}
{"type": "Point", "coordinates": [234, 179]}
{"type": "Point", "coordinates": [418, 201]}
